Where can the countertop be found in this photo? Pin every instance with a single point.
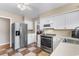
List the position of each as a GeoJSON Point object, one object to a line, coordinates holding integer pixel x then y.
{"type": "Point", "coordinates": [61, 37]}
{"type": "Point", "coordinates": [66, 49]}
{"type": "Point", "coordinates": [67, 37]}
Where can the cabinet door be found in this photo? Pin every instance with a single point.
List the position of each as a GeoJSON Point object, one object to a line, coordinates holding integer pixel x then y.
{"type": "Point", "coordinates": [56, 41]}
{"type": "Point", "coordinates": [72, 20]}
{"type": "Point", "coordinates": [59, 22]}
{"type": "Point", "coordinates": [43, 21]}
{"type": "Point", "coordinates": [68, 21]}
{"type": "Point", "coordinates": [39, 41]}
{"type": "Point", "coordinates": [31, 38]}
{"type": "Point", "coordinates": [29, 24]}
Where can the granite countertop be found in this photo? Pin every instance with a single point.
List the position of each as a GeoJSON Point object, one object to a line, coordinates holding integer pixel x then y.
{"type": "Point", "coordinates": [66, 49]}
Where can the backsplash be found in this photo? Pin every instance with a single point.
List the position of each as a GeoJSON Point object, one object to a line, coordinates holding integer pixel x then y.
{"type": "Point", "coordinates": [66, 33]}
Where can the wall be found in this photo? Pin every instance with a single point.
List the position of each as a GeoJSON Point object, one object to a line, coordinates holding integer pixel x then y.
{"type": "Point", "coordinates": [13, 18]}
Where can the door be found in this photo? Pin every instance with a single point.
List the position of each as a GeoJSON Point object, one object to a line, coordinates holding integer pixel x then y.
{"type": "Point", "coordinates": [17, 36]}
{"type": "Point", "coordinates": [23, 35]}
{"type": "Point", "coordinates": [4, 31]}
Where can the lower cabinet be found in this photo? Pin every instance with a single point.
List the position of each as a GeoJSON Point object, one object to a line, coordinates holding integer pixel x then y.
{"type": "Point", "coordinates": [56, 41]}
{"type": "Point", "coordinates": [31, 38]}
{"type": "Point", "coordinates": [38, 40]}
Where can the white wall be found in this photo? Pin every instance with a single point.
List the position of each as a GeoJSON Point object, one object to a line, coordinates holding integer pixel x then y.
{"type": "Point", "coordinates": [13, 18]}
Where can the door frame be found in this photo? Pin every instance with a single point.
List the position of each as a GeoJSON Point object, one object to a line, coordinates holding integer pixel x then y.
{"type": "Point", "coordinates": [9, 29]}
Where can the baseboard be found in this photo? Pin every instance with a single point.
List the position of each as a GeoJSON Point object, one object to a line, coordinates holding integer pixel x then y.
{"type": "Point", "coordinates": [5, 46]}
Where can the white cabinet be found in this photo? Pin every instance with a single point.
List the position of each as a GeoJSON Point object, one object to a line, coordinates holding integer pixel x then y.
{"type": "Point", "coordinates": [46, 20]}
{"type": "Point", "coordinates": [72, 20]}
{"type": "Point", "coordinates": [59, 22]}
{"type": "Point", "coordinates": [66, 21]}
{"type": "Point", "coordinates": [56, 41]}
{"type": "Point", "coordinates": [56, 22]}
{"type": "Point", "coordinates": [39, 41]}
{"type": "Point", "coordinates": [42, 22]}
{"type": "Point", "coordinates": [30, 24]}
{"type": "Point", "coordinates": [62, 21]}
{"type": "Point", "coordinates": [31, 38]}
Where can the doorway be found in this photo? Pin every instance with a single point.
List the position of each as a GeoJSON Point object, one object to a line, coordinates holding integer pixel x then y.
{"type": "Point", "coordinates": [4, 31]}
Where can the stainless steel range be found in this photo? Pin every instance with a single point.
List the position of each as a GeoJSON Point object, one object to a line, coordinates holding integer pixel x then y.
{"type": "Point", "coordinates": [49, 42]}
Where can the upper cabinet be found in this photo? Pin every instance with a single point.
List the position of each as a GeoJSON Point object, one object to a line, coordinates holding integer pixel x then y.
{"type": "Point", "coordinates": [56, 22]}
{"type": "Point", "coordinates": [42, 22]}
{"type": "Point", "coordinates": [59, 22]}
{"type": "Point", "coordinates": [46, 21]}
{"type": "Point", "coordinates": [30, 24]}
{"type": "Point", "coordinates": [72, 20]}
{"type": "Point", "coordinates": [62, 21]}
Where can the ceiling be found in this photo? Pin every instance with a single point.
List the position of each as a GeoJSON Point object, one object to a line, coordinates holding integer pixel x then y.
{"type": "Point", "coordinates": [37, 8]}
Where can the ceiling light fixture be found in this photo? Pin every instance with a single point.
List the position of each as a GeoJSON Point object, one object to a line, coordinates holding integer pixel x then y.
{"type": "Point", "coordinates": [23, 6]}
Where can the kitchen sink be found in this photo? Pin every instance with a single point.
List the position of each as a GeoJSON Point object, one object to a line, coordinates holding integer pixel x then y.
{"type": "Point", "coordinates": [71, 41]}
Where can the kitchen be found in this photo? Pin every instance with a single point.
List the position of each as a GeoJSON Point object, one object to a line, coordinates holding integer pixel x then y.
{"type": "Point", "coordinates": [51, 30]}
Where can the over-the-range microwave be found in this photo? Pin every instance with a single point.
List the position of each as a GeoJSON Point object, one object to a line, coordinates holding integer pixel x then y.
{"type": "Point", "coordinates": [48, 26]}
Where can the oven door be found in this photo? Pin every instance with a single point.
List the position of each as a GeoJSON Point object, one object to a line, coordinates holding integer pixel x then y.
{"type": "Point", "coordinates": [47, 43]}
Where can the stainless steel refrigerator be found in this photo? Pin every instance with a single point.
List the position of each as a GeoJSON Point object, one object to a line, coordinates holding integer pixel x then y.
{"type": "Point", "coordinates": [19, 35]}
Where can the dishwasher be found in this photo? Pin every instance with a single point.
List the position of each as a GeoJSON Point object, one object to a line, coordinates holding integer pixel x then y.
{"type": "Point", "coordinates": [56, 41]}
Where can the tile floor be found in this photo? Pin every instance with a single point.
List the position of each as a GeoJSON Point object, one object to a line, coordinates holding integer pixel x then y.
{"type": "Point", "coordinates": [31, 50]}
